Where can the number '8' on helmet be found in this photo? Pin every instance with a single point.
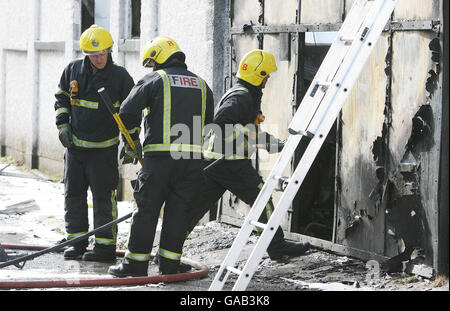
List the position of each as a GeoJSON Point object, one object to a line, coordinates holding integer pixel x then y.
{"type": "Point", "coordinates": [95, 40]}
{"type": "Point", "coordinates": [255, 66]}
{"type": "Point", "coordinates": [159, 49]}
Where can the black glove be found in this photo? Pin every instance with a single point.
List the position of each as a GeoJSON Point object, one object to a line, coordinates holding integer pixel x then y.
{"type": "Point", "coordinates": [65, 134]}
{"type": "Point", "coordinates": [275, 146]}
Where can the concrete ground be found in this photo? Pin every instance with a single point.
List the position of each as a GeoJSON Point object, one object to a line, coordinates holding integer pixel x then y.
{"type": "Point", "coordinates": [39, 221]}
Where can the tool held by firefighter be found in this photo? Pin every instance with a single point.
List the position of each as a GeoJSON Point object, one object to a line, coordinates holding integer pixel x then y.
{"type": "Point", "coordinates": [73, 92]}
{"type": "Point", "coordinates": [107, 100]}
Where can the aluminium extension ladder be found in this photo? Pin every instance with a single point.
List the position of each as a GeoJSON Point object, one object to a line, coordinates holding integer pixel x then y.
{"type": "Point", "coordinates": [316, 115]}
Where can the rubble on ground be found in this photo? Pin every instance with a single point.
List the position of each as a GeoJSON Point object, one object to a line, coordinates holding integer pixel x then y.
{"type": "Point", "coordinates": [318, 270]}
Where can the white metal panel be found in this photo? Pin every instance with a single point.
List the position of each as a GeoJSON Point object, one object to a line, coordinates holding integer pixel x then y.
{"type": "Point", "coordinates": [245, 11]}
{"type": "Point", "coordinates": [280, 12]}
{"type": "Point", "coordinates": [320, 11]}
{"type": "Point", "coordinates": [417, 10]}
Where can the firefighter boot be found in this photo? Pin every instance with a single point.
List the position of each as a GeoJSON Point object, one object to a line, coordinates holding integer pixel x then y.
{"type": "Point", "coordinates": [285, 249]}
{"type": "Point", "coordinates": [75, 251]}
{"type": "Point", "coordinates": [169, 266]}
{"type": "Point", "coordinates": [280, 249]}
{"type": "Point", "coordinates": [129, 267]}
{"type": "Point", "coordinates": [101, 253]}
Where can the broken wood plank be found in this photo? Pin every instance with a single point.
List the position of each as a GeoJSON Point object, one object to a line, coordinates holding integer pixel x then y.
{"type": "Point", "coordinates": [20, 207]}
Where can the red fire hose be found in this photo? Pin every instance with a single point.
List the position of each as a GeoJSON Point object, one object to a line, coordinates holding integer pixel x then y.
{"type": "Point", "coordinates": [201, 271]}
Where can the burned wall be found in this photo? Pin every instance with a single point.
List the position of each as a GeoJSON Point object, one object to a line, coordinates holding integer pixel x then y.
{"type": "Point", "coordinates": [393, 144]}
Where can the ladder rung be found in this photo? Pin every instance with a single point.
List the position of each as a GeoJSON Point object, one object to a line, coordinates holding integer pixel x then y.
{"type": "Point", "coordinates": [258, 224]}
{"type": "Point", "coordinates": [346, 39]}
{"type": "Point", "coordinates": [234, 270]}
{"type": "Point", "coordinates": [301, 132]}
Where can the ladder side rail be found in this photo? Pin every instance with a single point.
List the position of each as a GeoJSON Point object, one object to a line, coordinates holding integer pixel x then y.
{"type": "Point", "coordinates": [254, 214]}
{"type": "Point", "coordinates": [330, 65]}
{"type": "Point", "coordinates": [312, 104]}
{"type": "Point", "coordinates": [285, 157]}
{"type": "Point", "coordinates": [358, 56]}
{"type": "Point", "coordinates": [327, 118]}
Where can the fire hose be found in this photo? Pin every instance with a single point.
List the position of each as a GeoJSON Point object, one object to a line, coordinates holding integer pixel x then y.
{"type": "Point", "coordinates": [63, 244]}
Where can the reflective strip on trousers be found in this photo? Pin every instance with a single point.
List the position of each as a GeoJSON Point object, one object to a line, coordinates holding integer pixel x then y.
{"type": "Point", "coordinates": [114, 214]}
{"type": "Point", "coordinates": [168, 254]}
{"type": "Point", "coordinates": [88, 144]}
{"type": "Point", "coordinates": [137, 257]}
{"type": "Point", "coordinates": [269, 206]}
{"type": "Point", "coordinates": [104, 241]}
{"type": "Point", "coordinates": [71, 236]}
{"type": "Point", "coordinates": [62, 110]}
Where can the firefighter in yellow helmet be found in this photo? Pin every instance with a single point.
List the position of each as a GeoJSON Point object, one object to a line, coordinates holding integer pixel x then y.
{"type": "Point", "coordinates": [88, 131]}
{"type": "Point", "coordinates": [228, 166]}
{"type": "Point", "coordinates": [172, 96]}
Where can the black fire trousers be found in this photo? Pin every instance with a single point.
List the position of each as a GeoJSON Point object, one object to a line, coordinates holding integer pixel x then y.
{"type": "Point", "coordinates": [240, 178]}
{"type": "Point", "coordinates": [96, 169]}
{"type": "Point", "coordinates": [172, 183]}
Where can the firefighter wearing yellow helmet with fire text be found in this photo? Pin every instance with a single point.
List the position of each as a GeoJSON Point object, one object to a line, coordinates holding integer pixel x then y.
{"type": "Point", "coordinates": [177, 105]}
{"type": "Point", "coordinates": [91, 138]}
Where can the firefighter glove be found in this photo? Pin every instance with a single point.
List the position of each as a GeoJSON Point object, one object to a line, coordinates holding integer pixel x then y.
{"type": "Point", "coordinates": [275, 146]}
{"type": "Point", "coordinates": [65, 134]}
{"type": "Point", "coordinates": [129, 155]}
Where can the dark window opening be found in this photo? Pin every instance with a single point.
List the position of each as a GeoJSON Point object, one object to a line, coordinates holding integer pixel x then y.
{"type": "Point", "coordinates": [87, 14]}
{"type": "Point", "coordinates": [313, 206]}
{"type": "Point", "coordinates": [135, 18]}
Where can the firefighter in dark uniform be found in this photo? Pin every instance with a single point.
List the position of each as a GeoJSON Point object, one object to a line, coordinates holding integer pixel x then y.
{"type": "Point", "coordinates": [91, 136]}
{"type": "Point", "coordinates": [227, 155]}
{"type": "Point", "coordinates": [177, 105]}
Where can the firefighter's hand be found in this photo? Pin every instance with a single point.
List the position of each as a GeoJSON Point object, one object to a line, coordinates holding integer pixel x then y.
{"type": "Point", "coordinates": [129, 155]}
{"type": "Point", "coordinates": [65, 134]}
{"type": "Point", "coordinates": [275, 145]}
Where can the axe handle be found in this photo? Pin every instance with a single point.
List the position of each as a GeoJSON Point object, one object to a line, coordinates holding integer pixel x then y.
{"type": "Point", "coordinates": [104, 95]}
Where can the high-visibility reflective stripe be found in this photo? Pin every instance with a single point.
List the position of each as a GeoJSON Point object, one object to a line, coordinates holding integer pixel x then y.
{"type": "Point", "coordinates": [60, 91]}
{"type": "Point", "coordinates": [167, 106]}
{"type": "Point", "coordinates": [104, 241]}
{"type": "Point", "coordinates": [269, 206]}
{"type": "Point", "coordinates": [215, 155]}
{"type": "Point", "coordinates": [146, 111]}
{"type": "Point", "coordinates": [168, 254]}
{"type": "Point", "coordinates": [88, 144]}
{"type": "Point", "coordinates": [137, 257]}
{"type": "Point", "coordinates": [116, 104]}
{"type": "Point", "coordinates": [62, 110]}
{"type": "Point", "coordinates": [203, 88]}
{"type": "Point", "coordinates": [71, 236]}
{"type": "Point", "coordinates": [86, 104]}
{"type": "Point", "coordinates": [172, 147]}
{"type": "Point", "coordinates": [209, 154]}
{"type": "Point", "coordinates": [114, 213]}
{"type": "Point", "coordinates": [135, 130]}
{"type": "Point", "coordinates": [237, 131]}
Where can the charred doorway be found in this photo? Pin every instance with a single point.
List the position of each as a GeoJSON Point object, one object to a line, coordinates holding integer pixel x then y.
{"type": "Point", "coordinates": [299, 50]}
{"type": "Point", "coordinates": [313, 207]}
